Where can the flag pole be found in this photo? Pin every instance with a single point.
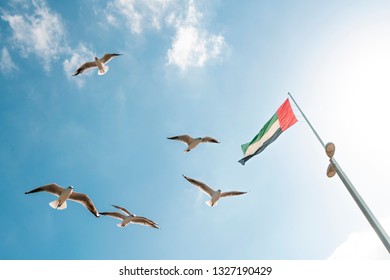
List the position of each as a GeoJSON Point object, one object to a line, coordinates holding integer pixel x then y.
{"type": "Point", "coordinates": [351, 189]}
{"type": "Point", "coordinates": [312, 128]}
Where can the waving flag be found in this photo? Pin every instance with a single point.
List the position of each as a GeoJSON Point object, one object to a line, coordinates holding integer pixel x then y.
{"type": "Point", "coordinates": [280, 121]}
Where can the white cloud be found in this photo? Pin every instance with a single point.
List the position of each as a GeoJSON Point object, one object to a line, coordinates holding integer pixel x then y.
{"type": "Point", "coordinates": [80, 55]}
{"type": "Point", "coordinates": [20, 3]}
{"type": "Point", "coordinates": [363, 245]}
{"type": "Point", "coordinates": [111, 20]}
{"type": "Point", "coordinates": [138, 14]}
{"type": "Point", "coordinates": [36, 30]}
{"type": "Point", "coordinates": [192, 44]}
{"type": "Point", "coordinates": [39, 32]}
{"type": "Point", "coordinates": [7, 65]}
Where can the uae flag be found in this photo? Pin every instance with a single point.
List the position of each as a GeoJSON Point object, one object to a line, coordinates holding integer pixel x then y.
{"type": "Point", "coordinates": [280, 121]}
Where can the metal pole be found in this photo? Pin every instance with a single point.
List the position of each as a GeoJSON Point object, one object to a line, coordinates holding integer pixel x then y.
{"type": "Point", "coordinates": [363, 206]}
{"type": "Point", "coordinates": [312, 128]}
{"type": "Point", "coordinates": [355, 195]}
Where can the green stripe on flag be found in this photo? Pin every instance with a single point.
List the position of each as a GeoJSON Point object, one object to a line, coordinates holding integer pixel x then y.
{"type": "Point", "coordinates": [263, 131]}
{"type": "Point", "coordinates": [280, 121]}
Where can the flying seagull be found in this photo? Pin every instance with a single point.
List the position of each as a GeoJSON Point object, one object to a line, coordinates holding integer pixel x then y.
{"type": "Point", "coordinates": [193, 142]}
{"type": "Point", "coordinates": [99, 63]}
{"type": "Point", "coordinates": [128, 217]}
{"type": "Point", "coordinates": [64, 195]}
{"type": "Point", "coordinates": [215, 195]}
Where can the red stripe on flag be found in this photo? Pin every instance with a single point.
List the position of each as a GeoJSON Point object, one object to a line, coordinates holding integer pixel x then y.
{"type": "Point", "coordinates": [286, 115]}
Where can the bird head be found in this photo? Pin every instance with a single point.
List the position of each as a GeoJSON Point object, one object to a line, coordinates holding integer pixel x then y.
{"type": "Point", "coordinates": [70, 187]}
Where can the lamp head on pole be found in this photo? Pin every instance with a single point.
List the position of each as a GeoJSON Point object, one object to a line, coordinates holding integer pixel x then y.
{"type": "Point", "coordinates": [331, 171]}
{"type": "Point", "coordinates": [330, 149]}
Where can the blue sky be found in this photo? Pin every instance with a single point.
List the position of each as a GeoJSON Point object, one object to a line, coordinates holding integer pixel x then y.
{"type": "Point", "coordinates": [217, 68]}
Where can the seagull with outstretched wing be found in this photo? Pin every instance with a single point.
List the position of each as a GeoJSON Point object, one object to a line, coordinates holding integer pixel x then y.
{"type": "Point", "coordinates": [193, 142]}
{"type": "Point", "coordinates": [65, 194]}
{"type": "Point", "coordinates": [99, 63]}
{"type": "Point", "coordinates": [215, 195]}
{"type": "Point", "coordinates": [126, 217]}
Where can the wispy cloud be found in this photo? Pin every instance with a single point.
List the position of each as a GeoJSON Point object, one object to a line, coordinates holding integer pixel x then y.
{"type": "Point", "coordinates": [78, 56]}
{"type": "Point", "coordinates": [138, 14]}
{"type": "Point", "coordinates": [7, 65]}
{"type": "Point", "coordinates": [362, 245]}
{"type": "Point", "coordinates": [192, 45]}
{"type": "Point", "coordinates": [36, 30]}
{"type": "Point", "coordinates": [39, 31]}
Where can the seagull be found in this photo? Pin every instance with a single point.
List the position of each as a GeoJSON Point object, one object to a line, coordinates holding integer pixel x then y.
{"type": "Point", "coordinates": [99, 63]}
{"type": "Point", "coordinates": [64, 195]}
{"type": "Point", "coordinates": [215, 195]}
{"type": "Point", "coordinates": [129, 218]}
{"type": "Point", "coordinates": [193, 142]}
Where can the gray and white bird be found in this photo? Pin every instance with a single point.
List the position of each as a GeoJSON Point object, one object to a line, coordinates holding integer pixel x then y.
{"type": "Point", "coordinates": [215, 195]}
{"type": "Point", "coordinates": [99, 63]}
{"type": "Point", "coordinates": [128, 217]}
{"type": "Point", "coordinates": [193, 142]}
{"type": "Point", "coordinates": [64, 195]}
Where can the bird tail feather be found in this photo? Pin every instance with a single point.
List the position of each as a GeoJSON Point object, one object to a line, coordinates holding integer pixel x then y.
{"type": "Point", "coordinates": [208, 202]}
{"type": "Point", "coordinates": [105, 69]}
{"type": "Point", "coordinates": [54, 204]}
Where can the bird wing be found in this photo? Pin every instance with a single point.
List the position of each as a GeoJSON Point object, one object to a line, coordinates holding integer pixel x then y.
{"type": "Point", "coordinates": [123, 210]}
{"type": "Point", "coordinates": [116, 215]}
{"type": "Point", "coordinates": [143, 221]}
{"type": "Point", "coordinates": [86, 66]}
{"type": "Point", "coordinates": [108, 56]}
{"type": "Point", "coordinates": [233, 193]}
{"type": "Point", "coordinates": [209, 139]}
{"type": "Point", "coordinates": [203, 187]}
{"type": "Point", "coordinates": [84, 200]}
{"type": "Point", "coordinates": [184, 138]}
{"type": "Point", "coordinates": [51, 188]}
